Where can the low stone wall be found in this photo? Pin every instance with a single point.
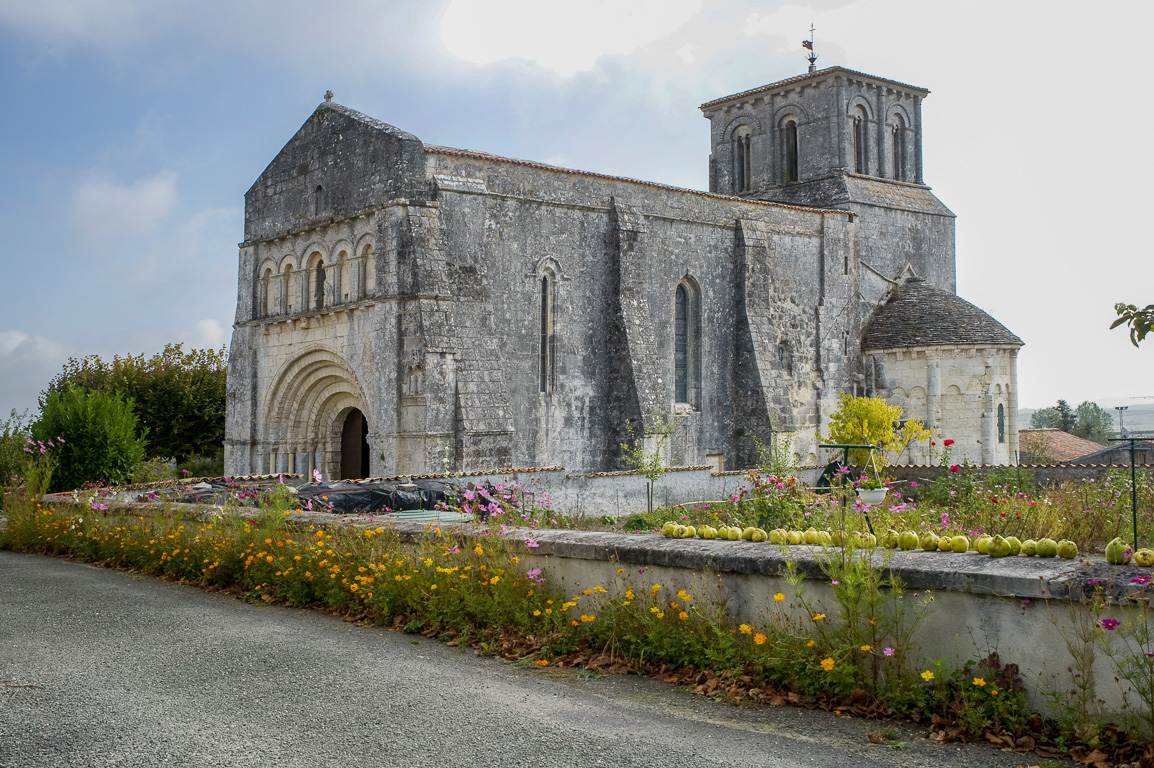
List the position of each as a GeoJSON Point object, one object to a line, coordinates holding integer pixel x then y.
{"type": "Point", "coordinates": [1026, 609]}
{"type": "Point", "coordinates": [1041, 474]}
{"type": "Point", "coordinates": [1023, 608]}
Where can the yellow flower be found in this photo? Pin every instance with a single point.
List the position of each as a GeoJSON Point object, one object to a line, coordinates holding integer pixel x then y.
{"type": "Point", "coordinates": [759, 639]}
{"type": "Point", "coordinates": [683, 615]}
{"type": "Point", "coordinates": [779, 598]}
{"type": "Point", "coordinates": [629, 594]}
{"type": "Point", "coordinates": [811, 643]}
{"type": "Point", "coordinates": [827, 664]}
{"type": "Point", "coordinates": [681, 593]}
{"type": "Point", "coordinates": [620, 571]}
{"type": "Point", "coordinates": [994, 692]}
{"type": "Point", "coordinates": [541, 662]}
{"type": "Point", "coordinates": [548, 611]}
{"type": "Point", "coordinates": [866, 647]}
{"type": "Point", "coordinates": [746, 629]}
{"type": "Point", "coordinates": [655, 589]}
{"type": "Point", "coordinates": [980, 682]}
{"type": "Point", "coordinates": [927, 675]}
{"type": "Point", "coordinates": [660, 615]}
{"type": "Point", "coordinates": [575, 623]}
{"type": "Point", "coordinates": [818, 616]}
{"type": "Point", "coordinates": [494, 579]}
{"type": "Point", "coordinates": [655, 609]}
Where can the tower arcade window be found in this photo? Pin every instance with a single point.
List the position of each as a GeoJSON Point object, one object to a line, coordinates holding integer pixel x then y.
{"type": "Point", "coordinates": [742, 162]}
{"type": "Point", "coordinates": [1001, 423]}
{"type": "Point", "coordinates": [898, 139]}
{"type": "Point", "coordinates": [319, 288]}
{"type": "Point", "coordinates": [545, 349]}
{"type": "Point", "coordinates": [790, 150]}
{"type": "Point", "coordinates": [860, 144]}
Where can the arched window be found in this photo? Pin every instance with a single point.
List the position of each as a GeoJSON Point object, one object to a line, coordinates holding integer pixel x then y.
{"type": "Point", "coordinates": [546, 349]}
{"type": "Point", "coordinates": [742, 162]}
{"type": "Point", "coordinates": [1001, 423]}
{"type": "Point", "coordinates": [898, 138]}
{"type": "Point", "coordinates": [319, 286]}
{"type": "Point", "coordinates": [368, 282]}
{"type": "Point", "coordinates": [268, 297]}
{"type": "Point", "coordinates": [791, 150]}
{"type": "Point", "coordinates": [289, 285]}
{"type": "Point", "coordinates": [318, 200]}
{"type": "Point", "coordinates": [343, 281]}
{"type": "Point", "coordinates": [686, 344]}
{"type": "Point", "coordinates": [860, 142]}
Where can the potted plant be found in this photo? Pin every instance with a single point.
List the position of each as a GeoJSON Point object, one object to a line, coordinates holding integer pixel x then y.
{"type": "Point", "coordinates": [871, 490]}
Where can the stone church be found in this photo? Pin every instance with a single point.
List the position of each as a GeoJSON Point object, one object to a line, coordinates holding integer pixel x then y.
{"type": "Point", "coordinates": [404, 308]}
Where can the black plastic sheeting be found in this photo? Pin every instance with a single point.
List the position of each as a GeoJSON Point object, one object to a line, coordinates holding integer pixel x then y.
{"type": "Point", "coordinates": [342, 498]}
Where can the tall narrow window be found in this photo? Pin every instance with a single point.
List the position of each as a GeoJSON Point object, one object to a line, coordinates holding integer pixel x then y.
{"type": "Point", "coordinates": [681, 345]}
{"type": "Point", "coordinates": [545, 353]}
{"type": "Point", "coordinates": [791, 151]}
{"type": "Point", "coordinates": [318, 200]}
{"type": "Point", "coordinates": [742, 163]}
{"type": "Point", "coordinates": [899, 148]}
{"type": "Point", "coordinates": [860, 141]}
{"type": "Point", "coordinates": [319, 289]}
{"type": "Point", "coordinates": [288, 287]}
{"type": "Point", "coordinates": [1001, 423]}
{"type": "Point", "coordinates": [268, 293]}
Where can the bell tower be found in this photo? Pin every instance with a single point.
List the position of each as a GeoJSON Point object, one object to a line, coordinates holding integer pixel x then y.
{"type": "Point", "coordinates": [837, 138]}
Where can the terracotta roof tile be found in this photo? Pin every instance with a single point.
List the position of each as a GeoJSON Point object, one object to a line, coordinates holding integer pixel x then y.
{"type": "Point", "coordinates": [1056, 444]}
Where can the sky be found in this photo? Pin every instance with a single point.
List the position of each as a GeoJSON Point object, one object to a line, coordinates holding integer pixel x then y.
{"type": "Point", "coordinates": [133, 129]}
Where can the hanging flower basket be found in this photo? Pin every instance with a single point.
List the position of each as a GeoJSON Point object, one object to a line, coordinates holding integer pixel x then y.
{"type": "Point", "coordinates": [872, 495]}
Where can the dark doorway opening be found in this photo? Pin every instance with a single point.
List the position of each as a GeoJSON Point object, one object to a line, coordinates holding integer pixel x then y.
{"type": "Point", "coordinates": [355, 446]}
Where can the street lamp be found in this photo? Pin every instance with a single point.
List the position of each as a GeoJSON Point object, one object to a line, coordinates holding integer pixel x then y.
{"type": "Point", "coordinates": [1121, 425]}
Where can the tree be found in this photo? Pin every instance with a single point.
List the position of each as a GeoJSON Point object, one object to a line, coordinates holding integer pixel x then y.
{"type": "Point", "coordinates": [178, 396]}
{"type": "Point", "coordinates": [1089, 421]}
{"type": "Point", "coordinates": [872, 421]}
{"type": "Point", "coordinates": [1139, 320]}
{"type": "Point", "coordinates": [101, 442]}
{"type": "Point", "coordinates": [1064, 417]}
{"type": "Point", "coordinates": [1094, 423]}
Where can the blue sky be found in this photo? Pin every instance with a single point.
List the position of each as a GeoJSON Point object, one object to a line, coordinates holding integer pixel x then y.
{"type": "Point", "coordinates": [132, 130]}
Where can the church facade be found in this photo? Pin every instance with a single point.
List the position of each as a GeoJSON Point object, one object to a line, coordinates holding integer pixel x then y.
{"type": "Point", "coordinates": [405, 308]}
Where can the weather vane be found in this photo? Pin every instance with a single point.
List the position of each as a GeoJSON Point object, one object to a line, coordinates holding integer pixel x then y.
{"type": "Point", "coordinates": [808, 45]}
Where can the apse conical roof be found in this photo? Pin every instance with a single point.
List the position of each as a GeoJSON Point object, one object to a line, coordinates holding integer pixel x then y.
{"type": "Point", "coordinates": [916, 314]}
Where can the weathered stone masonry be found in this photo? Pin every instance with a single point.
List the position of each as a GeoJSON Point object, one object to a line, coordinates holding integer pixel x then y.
{"type": "Point", "coordinates": [403, 307]}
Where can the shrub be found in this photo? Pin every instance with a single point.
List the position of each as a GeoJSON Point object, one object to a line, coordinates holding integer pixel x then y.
{"type": "Point", "coordinates": [101, 444]}
{"type": "Point", "coordinates": [178, 395]}
{"type": "Point", "coordinates": [13, 439]}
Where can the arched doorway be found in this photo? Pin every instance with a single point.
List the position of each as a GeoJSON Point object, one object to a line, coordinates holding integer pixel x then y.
{"type": "Point", "coordinates": [355, 446]}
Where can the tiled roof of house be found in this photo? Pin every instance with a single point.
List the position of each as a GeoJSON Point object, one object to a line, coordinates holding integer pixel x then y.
{"type": "Point", "coordinates": [1055, 444]}
{"type": "Point", "coordinates": [916, 314]}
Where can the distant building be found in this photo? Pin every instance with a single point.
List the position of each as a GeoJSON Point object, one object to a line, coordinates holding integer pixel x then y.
{"type": "Point", "coordinates": [1048, 445]}
{"type": "Point", "coordinates": [404, 308]}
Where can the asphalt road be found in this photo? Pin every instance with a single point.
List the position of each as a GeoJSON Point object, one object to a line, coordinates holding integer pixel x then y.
{"type": "Point", "coordinates": [104, 668]}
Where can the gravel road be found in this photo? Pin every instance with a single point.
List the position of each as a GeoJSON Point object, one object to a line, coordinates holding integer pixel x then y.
{"type": "Point", "coordinates": [104, 668]}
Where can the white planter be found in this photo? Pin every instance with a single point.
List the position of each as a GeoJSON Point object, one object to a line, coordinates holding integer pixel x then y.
{"type": "Point", "coordinates": [872, 495]}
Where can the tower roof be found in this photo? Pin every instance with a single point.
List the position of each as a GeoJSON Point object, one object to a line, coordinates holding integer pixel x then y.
{"type": "Point", "coordinates": [916, 314]}
{"type": "Point", "coordinates": [820, 74]}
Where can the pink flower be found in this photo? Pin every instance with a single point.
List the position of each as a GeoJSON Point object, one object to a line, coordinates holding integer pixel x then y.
{"type": "Point", "coordinates": [1139, 579]}
{"type": "Point", "coordinates": [888, 651]}
{"type": "Point", "coordinates": [1110, 624]}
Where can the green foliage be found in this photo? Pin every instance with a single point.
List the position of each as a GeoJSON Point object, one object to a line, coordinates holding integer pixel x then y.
{"type": "Point", "coordinates": [14, 436]}
{"type": "Point", "coordinates": [872, 421]}
{"type": "Point", "coordinates": [178, 395]}
{"type": "Point", "coordinates": [1139, 320]}
{"type": "Point", "coordinates": [101, 443]}
{"type": "Point", "coordinates": [1089, 421]}
{"type": "Point", "coordinates": [646, 453]}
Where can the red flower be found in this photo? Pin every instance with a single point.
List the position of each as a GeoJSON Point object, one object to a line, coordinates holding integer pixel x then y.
{"type": "Point", "coordinates": [954, 467]}
{"type": "Point", "coordinates": [947, 442]}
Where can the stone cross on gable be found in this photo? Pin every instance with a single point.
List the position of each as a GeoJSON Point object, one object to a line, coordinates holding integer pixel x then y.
{"type": "Point", "coordinates": [328, 97]}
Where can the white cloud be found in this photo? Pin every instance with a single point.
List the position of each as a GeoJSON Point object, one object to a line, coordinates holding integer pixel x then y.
{"type": "Point", "coordinates": [27, 363]}
{"type": "Point", "coordinates": [567, 36]}
{"type": "Point", "coordinates": [208, 333]}
{"type": "Point", "coordinates": [105, 210]}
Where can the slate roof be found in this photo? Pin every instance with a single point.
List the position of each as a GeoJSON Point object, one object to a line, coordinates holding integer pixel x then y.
{"type": "Point", "coordinates": [918, 315]}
